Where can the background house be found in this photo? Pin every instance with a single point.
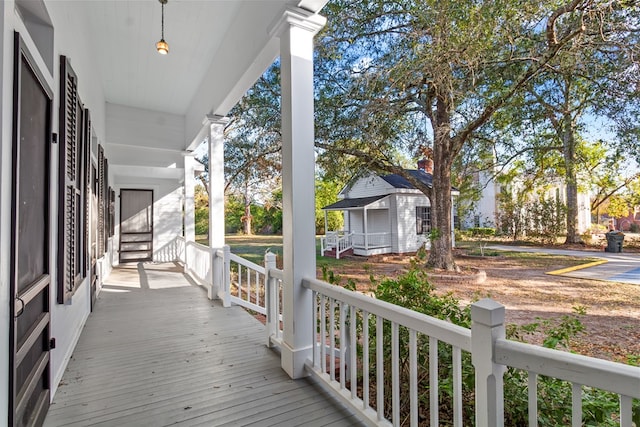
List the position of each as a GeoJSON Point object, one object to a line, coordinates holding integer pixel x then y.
{"type": "Point", "coordinates": [487, 211]}
{"type": "Point", "coordinates": [382, 214]}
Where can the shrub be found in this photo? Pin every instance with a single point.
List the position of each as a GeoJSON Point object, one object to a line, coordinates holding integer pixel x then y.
{"type": "Point", "coordinates": [412, 290]}
{"type": "Point", "coordinates": [482, 231]}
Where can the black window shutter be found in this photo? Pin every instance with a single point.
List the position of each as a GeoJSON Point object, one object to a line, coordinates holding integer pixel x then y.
{"type": "Point", "coordinates": [101, 202]}
{"type": "Point", "coordinates": [71, 148]}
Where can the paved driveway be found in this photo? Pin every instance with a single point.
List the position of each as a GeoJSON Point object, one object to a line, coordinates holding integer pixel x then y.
{"type": "Point", "coordinates": [619, 267]}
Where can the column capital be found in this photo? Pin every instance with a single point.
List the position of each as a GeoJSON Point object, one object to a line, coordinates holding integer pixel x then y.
{"type": "Point", "coordinates": [214, 119]}
{"type": "Point", "coordinates": [297, 17]}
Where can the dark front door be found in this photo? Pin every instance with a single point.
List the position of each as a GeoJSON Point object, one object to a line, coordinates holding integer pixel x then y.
{"type": "Point", "coordinates": [136, 225]}
{"type": "Point", "coordinates": [30, 274]}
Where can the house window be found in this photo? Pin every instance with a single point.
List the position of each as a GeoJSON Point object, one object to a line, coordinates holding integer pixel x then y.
{"type": "Point", "coordinates": [423, 219]}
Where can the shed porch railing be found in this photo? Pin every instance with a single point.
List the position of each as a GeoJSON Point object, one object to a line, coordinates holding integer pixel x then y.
{"type": "Point", "coordinates": [368, 241]}
{"type": "Point", "coordinates": [340, 241]}
{"type": "Point", "coordinates": [341, 358]}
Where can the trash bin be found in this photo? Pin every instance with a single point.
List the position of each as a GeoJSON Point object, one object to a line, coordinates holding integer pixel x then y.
{"type": "Point", "coordinates": [614, 241]}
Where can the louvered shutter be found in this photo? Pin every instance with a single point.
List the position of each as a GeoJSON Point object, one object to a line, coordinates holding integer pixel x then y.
{"type": "Point", "coordinates": [71, 157]}
{"type": "Point", "coordinates": [101, 202]}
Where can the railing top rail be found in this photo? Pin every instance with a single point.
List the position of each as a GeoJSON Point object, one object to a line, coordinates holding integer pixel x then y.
{"type": "Point", "coordinates": [276, 274]}
{"type": "Point", "coordinates": [440, 329]}
{"type": "Point", "coordinates": [235, 258]}
{"type": "Point", "coordinates": [379, 233]}
{"type": "Point", "coordinates": [199, 246]}
{"type": "Point", "coordinates": [590, 371]}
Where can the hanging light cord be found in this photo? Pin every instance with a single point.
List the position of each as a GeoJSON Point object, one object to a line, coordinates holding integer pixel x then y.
{"type": "Point", "coordinates": [162, 32]}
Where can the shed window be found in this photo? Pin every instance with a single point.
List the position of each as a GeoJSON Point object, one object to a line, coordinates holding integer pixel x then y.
{"type": "Point", "coordinates": [423, 219]}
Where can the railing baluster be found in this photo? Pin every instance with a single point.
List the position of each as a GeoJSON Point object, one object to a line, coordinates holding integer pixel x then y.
{"type": "Point", "coordinates": [323, 333]}
{"type": "Point", "coordinates": [353, 369]}
{"type": "Point", "coordinates": [239, 281]}
{"type": "Point", "coordinates": [379, 367]}
{"type": "Point", "coordinates": [332, 338]}
{"type": "Point", "coordinates": [258, 284]}
{"type": "Point", "coordinates": [626, 406]}
{"type": "Point", "coordinates": [533, 398]}
{"type": "Point", "coordinates": [248, 284]}
{"type": "Point", "coordinates": [314, 334]}
{"type": "Point", "coordinates": [413, 375]}
{"type": "Point", "coordinates": [365, 360]}
{"type": "Point", "coordinates": [395, 374]}
{"type": "Point", "coordinates": [343, 345]}
{"type": "Point", "coordinates": [576, 405]}
{"type": "Point", "coordinates": [457, 387]}
{"type": "Point", "coordinates": [434, 404]}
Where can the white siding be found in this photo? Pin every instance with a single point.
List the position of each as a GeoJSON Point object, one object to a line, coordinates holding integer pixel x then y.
{"type": "Point", "coordinates": [378, 221]}
{"type": "Point", "coordinates": [369, 186]}
{"type": "Point", "coordinates": [408, 240]}
{"type": "Point", "coordinates": [485, 208]}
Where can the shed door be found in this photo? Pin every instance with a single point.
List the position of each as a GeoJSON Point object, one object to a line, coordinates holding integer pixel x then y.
{"type": "Point", "coordinates": [136, 225]}
{"type": "Point", "coordinates": [30, 274]}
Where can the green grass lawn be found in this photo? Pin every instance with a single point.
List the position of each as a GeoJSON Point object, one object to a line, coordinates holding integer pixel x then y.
{"type": "Point", "coordinates": [254, 247]}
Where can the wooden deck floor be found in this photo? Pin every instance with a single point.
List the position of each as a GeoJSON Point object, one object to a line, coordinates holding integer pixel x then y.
{"type": "Point", "coordinates": [157, 352]}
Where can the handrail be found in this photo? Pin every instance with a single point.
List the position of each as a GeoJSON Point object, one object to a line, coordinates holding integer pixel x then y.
{"type": "Point", "coordinates": [442, 330]}
{"type": "Point", "coordinates": [610, 376]}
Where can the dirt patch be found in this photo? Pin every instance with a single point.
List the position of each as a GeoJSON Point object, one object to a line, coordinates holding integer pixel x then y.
{"type": "Point", "coordinates": [612, 319]}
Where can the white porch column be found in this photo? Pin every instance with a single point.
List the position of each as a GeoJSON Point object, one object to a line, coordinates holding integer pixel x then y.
{"type": "Point", "coordinates": [366, 230]}
{"type": "Point", "coordinates": [189, 201]}
{"type": "Point", "coordinates": [296, 30]}
{"type": "Point", "coordinates": [217, 125]}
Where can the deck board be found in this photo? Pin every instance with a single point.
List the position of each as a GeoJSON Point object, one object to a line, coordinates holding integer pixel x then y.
{"type": "Point", "coordinates": [157, 352]}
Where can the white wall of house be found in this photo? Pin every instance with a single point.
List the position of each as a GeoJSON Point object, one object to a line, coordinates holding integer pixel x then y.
{"type": "Point", "coordinates": [66, 320]}
{"type": "Point", "coordinates": [378, 220]}
{"type": "Point", "coordinates": [369, 186]}
{"type": "Point", "coordinates": [486, 208]}
{"type": "Point", "coordinates": [408, 240]}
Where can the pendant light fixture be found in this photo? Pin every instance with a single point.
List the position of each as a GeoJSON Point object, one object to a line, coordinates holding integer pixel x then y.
{"type": "Point", "coordinates": [162, 46]}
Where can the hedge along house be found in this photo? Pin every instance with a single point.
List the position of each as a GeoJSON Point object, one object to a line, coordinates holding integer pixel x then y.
{"type": "Point", "coordinates": [97, 134]}
{"type": "Point", "coordinates": [382, 214]}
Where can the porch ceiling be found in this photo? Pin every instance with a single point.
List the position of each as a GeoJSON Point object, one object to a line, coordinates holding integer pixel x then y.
{"type": "Point", "coordinates": [217, 50]}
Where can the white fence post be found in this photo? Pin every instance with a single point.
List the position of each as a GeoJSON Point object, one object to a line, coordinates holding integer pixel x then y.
{"type": "Point", "coordinates": [488, 326]}
{"type": "Point", "coordinates": [226, 277]}
{"type": "Point", "coordinates": [271, 300]}
{"type": "Point", "coordinates": [215, 274]}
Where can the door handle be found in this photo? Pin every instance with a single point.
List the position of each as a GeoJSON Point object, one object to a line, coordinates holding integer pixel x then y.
{"type": "Point", "coordinates": [19, 312]}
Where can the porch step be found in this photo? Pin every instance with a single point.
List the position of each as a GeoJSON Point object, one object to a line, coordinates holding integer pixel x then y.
{"type": "Point", "coordinates": [331, 253]}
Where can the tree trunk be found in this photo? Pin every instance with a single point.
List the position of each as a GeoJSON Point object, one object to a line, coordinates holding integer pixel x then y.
{"type": "Point", "coordinates": [569, 148]}
{"type": "Point", "coordinates": [441, 254]}
{"type": "Point", "coordinates": [246, 218]}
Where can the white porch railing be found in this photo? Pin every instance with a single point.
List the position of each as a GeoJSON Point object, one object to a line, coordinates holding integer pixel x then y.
{"type": "Point", "coordinates": [340, 241]}
{"type": "Point", "coordinates": [345, 321]}
{"type": "Point", "coordinates": [369, 241]}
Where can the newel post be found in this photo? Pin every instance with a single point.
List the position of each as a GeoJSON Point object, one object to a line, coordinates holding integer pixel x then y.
{"type": "Point", "coordinates": [271, 297]}
{"type": "Point", "coordinates": [226, 277]}
{"type": "Point", "coordinates": [488, 326]}
{"type": "Point", "coordinates": [213, 275]}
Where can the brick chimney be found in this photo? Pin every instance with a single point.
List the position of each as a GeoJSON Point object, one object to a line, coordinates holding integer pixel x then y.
{"type": "Point", "coordinates": [426, 165]}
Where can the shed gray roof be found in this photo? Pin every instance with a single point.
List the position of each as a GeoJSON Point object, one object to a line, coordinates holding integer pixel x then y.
{"type": "Point", "coordinates": [353, 203]}
{"type": "Point", "coordinates": [398, 181]}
